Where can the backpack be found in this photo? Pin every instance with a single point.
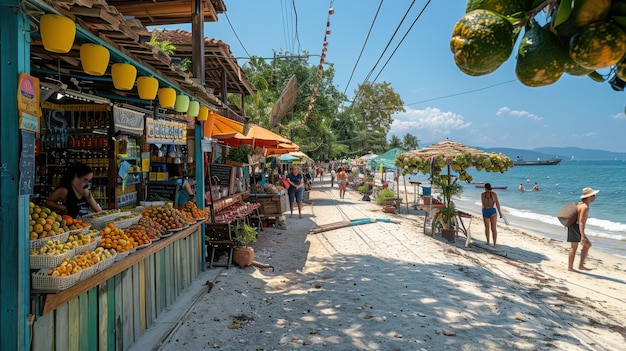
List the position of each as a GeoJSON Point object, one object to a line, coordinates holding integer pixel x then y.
{"type": "Point", "coordinates": [568, 214]}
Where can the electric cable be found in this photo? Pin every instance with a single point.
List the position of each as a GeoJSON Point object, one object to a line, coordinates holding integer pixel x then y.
{"type": "Point", "coordinates": [236, 35]}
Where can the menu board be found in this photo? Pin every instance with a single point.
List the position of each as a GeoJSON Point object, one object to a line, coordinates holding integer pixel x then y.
{"type": "Point", "coordinates": [162, 191]}
{"type": "Point", "coordinates": [221, 174]}
{"type": "Point", "coordinates": [27, 163]}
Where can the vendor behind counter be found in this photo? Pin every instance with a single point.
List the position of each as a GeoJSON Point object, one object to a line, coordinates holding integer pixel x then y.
{"type": "Point", "coordinates": [186, 190]}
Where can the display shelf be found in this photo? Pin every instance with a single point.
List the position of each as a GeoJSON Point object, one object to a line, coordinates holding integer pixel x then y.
{"type": "Point", "coordinates": [52, 301]}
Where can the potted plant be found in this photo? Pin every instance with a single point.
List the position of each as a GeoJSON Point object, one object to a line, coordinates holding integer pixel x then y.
{"type": "Point", "coordinates": [238, 156]}
{"type": "Point", "coordinates": [449, 187]}
{"type": "Point", "coordinates": [244, 235]}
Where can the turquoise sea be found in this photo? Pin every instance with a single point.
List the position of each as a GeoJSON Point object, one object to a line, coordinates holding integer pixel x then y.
{"type": "Point", "coordinates": [558, 185]}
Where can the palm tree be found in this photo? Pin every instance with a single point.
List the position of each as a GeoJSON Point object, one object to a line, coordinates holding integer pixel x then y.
{"type": "Point", "coordinates": [410, 142]}
{"type": "Point", "coordinates": [395, 142]}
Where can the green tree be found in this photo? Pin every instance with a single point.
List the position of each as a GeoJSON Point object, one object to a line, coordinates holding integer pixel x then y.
{"type": "Point", "coordinates": [311, 130]}
{"type": "Point", "coordinates": [395, 142]}
{"type": "Point", "coordinates": [410, 142]}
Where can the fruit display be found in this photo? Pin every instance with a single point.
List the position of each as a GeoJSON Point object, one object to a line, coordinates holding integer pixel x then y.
{"type": "Point", "coordinates": [80, 262]}
{"type": "Point", "coordinates": [74, 223]}
{"type": "Point", "coordinates": [105, 213]}
{"type": "Point", "coordinates": [577, 37]}
{"type": "Point", "coordinates": [115, 238]}
{"type": "Point", "coordinates": [53, 248]}
{"type": "Point", "coordinates": [167, 216]}
{"type": "Point", "coordinates": [140, 238]}
{"type": "Point", "coordinates": [151, 227]}
{"type": "Point", "coordinates": [191, 208]}
{"type": "Point", "coordinates": [45, 223]}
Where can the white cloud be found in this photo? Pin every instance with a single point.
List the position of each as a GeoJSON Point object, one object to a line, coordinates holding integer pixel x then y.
{"type": "Point", "coordinates": [586, 135]}
{"type": "Point", "coordinates": [505, 111]}
{"type": "Point", "coordinates": [430, 121]}
{"type": "Point", "coordinates": [620, 115]}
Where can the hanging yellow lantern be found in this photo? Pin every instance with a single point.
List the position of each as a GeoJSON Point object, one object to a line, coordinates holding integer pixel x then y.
{"type": "Point", "coordinates": [194, 109]}
{"type": "Point", "coordinates": [123, 75]}
{"type": "Point", "coordinates": [167, 97]}
{"type": "Point", "coordinates": [147, 87]}
{"type": "Point", "coordinates": [182, 103]}
{"type": "Point", "coordinates": [94, 58]}
{"type": "Point", "coordinates": [203, 113]}
{"type": "Point", "coordinates": [57, 33]}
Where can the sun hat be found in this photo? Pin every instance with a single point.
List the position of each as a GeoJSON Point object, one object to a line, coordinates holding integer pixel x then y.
{"type": "Point", "coordinates": [588, 192]}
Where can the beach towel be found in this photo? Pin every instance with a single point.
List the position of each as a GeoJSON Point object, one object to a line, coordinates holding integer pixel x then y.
{"type": "Point", "coordinates": [568, 214]}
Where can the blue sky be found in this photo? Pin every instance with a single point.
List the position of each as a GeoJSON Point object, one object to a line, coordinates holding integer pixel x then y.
{"type": "Point", "coordinates": [440, 101]}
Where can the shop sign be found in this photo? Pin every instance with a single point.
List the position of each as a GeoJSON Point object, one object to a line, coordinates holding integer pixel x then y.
{"type": "Point", "coordinates": [165, 132]}
{"type": "Point", "coordinates": [27, 163]}
{"type": "Point", "coordinates": [128, 121]}
{"type": "Point", "coordinates": [28, 95]}
{"type": "Point", "coordinates": [29, 122]}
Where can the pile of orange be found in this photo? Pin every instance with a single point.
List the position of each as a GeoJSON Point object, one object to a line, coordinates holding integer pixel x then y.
{"type": "Point", "coordinates": [139, 237]}
{"type": "Point", "coordinates": [74, 223]}
{"type": "Point", "coordinates": [115, 238]}
{"type": "Point", "coordinates": [191, 208]}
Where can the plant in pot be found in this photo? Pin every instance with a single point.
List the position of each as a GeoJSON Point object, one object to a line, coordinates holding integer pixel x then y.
{"type": "Point", "coordinates": [449, 187]}
{"type": "Point", "coordinates": [238, 155]}
{"type": "Point", "coordinates": [244, 235]}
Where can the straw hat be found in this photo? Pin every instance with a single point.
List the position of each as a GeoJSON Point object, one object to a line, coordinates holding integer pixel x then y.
{"type": "Point", "coordinates": [588, 192]}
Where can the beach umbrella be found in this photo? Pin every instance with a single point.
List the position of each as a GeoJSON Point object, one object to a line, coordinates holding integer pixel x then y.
{"type": "Point", "coordinates": [453, 156]}
{"type": "Point", "coordinates": [233, 139]}
{"type": "Point", "coordinates": [264, 137]}
{"type": "Point", "coordinates": [301, 155]}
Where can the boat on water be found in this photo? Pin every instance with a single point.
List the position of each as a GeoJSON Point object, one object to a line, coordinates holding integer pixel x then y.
{"type": "Point", "coordinates": [519, 161]}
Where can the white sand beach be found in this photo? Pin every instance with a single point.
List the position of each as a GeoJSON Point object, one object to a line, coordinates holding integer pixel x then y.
{"type": "Point", "coordinates": [387, 286]}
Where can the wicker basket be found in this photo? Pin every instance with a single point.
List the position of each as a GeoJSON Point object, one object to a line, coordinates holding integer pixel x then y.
{"type": "Point", "coordinates": [39, 243]}
{"type": "Point", "coordinates": [49, 261]}
{"type": "Point", "coordinates": [43, 281]}
{"type": "Point", "coordinates": [121, 255]}
{"type": "Point", "coordinates": [102, 265]}
{"type": "Point", "coordinates": [101, 222]}
{"type": "Point", "coordinates": [89, 247]}
{"type": "Point", "coordinates": [86, 273]}
{"type": "Point", "coordinates": [85, 230]}
{"type": "Point", "coordinates": [125, 223]}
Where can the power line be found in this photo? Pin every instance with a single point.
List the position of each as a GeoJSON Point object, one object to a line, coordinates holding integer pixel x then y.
{"type": "Point", "coordinates": [463, 93]}
{"type": "Point", "coordinates": [236, 35]}
{"type": "Point", "coordinates": [363, 48]}
{"type": "Point", "coordinates": [402, 40]}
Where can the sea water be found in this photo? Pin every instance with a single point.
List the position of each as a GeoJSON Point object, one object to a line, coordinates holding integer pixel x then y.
{"type": "Point", "coordinates": [558, 185]}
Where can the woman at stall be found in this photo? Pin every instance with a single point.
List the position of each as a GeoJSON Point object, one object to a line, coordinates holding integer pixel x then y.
{"type": "Point", "coordinates": [185, 193]}
{"type": "Point", "coordinates": [72, 197]}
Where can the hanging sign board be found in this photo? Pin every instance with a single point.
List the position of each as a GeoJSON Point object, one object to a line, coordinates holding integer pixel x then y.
{"type": "Point", "coordinates": [165, 132]}
{"type": "Point", "coordinates": [222, 174]}
{"type": "Point", "coordinates": [27, 163]}
{"type": "Point", "coordinates": [129, 121]}
{"type": "Point", "coordinates": [29, 122]}
{"type": "Point", "coordinates": [162, 192]}
{"type": "Point", "coordinates": [28, 95]}
{"type": "Point", "coordinates": [205, 145]}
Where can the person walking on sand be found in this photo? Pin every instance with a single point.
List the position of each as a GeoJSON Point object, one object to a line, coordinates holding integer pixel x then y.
{"type": "Point", "coordinates": [296, 190]}
{"type": "Point", "coordinates": [576, 232]}
{"type": "Point", "coordinates": [342, 182]}
{"type": "Point", "coordinates": [332, 177]}
{"type": "Point", "coordinates": [490, 203]}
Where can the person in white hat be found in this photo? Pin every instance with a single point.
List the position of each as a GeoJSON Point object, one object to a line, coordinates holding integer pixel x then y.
{"type": "Point", "coordinates": [576, 232]}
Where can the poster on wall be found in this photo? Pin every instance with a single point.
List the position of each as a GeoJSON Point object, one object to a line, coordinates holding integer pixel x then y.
{"type": "Point", "coordinates": [27, 163]}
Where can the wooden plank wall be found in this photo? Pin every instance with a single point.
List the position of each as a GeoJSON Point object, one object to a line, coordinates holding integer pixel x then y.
{"type": "Point", "coordinates": [113, 315]}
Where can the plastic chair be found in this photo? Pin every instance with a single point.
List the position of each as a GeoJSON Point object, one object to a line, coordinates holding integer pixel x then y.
{"type": "Point", "coordinates": [218, 236]}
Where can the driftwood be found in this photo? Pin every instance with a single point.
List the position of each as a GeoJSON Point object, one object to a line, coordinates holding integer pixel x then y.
{"type": "Point", "coordinates": [263, 266]}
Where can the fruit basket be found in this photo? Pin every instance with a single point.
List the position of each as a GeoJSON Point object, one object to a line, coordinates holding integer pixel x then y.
{"type": "Point", "coordinates": [42, 281]}
{"type": "Point", "coordinates": [39, 243]}
{"type": "Point", "coordinates": [49, 261]}
{"type": "Point", "coordinates": [127, 222]}
{"type": "Point", "coordinates": [121, 255]}
{"type": "Point", "coordinates": [104, 264]}
{"type": "Point", "coordinates": [101, 221]}
{"type": "Point", "coordinates": [89, 247]}
{"type": "Point", "coordinates": [86, 273]}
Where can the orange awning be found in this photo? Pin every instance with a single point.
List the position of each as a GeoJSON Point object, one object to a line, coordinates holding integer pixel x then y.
{"type": "Point", "coordinates": [282, 148]}
{"type": "Point", "coordinates": [217, 124]}
{"type": "Point", "coordinates": [233, 139]}
{"type": "Point", "coordinates": [265, 137]}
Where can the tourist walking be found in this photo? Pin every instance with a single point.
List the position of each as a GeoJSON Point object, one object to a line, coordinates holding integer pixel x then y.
{"type": "Point", "coordinates": [576, 232]}
{"type": "Point", "coordinates": [342, 181]}
{"type": "Point", "coordinates": [490, 203]}
{"type": "Point", "coordinates": [296, 190]}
